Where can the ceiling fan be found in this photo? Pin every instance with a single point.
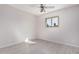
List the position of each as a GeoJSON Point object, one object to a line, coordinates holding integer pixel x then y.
{"type": "Point", "coordinates": [43, 7]}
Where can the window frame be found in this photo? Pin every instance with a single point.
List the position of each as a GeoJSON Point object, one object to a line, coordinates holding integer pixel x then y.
{"type": "Point", "coordinates": [52, 18]}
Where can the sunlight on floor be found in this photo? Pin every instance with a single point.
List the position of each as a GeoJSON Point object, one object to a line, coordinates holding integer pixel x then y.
{"type": "Point", "coordinates": [29, 41]}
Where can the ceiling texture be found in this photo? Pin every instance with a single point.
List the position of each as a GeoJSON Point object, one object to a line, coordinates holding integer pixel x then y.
{"type": "Point", "coordinates": [35, 8]}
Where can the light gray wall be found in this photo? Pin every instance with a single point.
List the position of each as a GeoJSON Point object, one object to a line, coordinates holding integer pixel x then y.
{"type": "Point", "coordinates": [68, 30]}
{"type": "Point", "coordinates": [15, 26]}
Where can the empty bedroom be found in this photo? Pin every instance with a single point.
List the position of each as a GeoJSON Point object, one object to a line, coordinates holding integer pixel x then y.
{"type": "Point", "coordinates": [39, 28]}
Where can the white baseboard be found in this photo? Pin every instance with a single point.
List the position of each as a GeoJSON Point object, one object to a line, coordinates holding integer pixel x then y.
{"type": "Point", "coordinates": [10, 44]}
{"type": "Point", "coordinates": [69, 44]}
{"type": "Point", "coordinates": [13, 43]}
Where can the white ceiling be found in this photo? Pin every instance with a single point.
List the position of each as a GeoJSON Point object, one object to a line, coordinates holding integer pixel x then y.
{"type": "Point", "coordinates": [35, 8]}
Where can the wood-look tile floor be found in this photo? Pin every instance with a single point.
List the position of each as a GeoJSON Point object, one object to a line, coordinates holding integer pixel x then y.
{"type": "Point", "coordinates": [40, 47]}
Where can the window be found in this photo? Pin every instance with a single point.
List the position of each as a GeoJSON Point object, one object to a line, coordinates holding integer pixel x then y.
{"type": "Point", "coordinates": [52, 21]}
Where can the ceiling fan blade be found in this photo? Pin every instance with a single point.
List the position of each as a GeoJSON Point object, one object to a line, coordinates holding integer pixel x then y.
{"type": "Point", "coordinates": [49, 6]}
{"type": "Point", "coordinates": [42, 10]}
